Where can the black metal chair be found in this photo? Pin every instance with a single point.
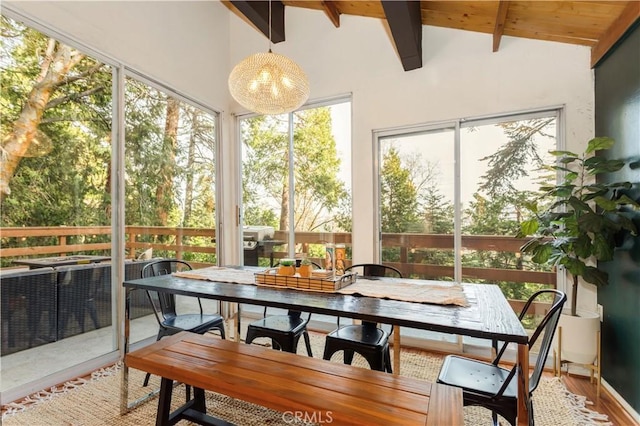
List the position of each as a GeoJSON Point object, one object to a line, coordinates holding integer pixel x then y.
{"type": "Point", "coordinates": [283, 330]}
{"type": "Point", "coordinates": [164, 306]}
{"type": "Point", "coordinates": [367, 339]}
{"type": "Point", "coordinates": [493, 387]}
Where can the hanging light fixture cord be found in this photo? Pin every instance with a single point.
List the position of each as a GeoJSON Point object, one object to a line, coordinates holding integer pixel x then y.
{"type": "Point", "coordinates": [270, 26]}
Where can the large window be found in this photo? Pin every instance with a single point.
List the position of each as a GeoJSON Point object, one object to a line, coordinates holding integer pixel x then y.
{"type": "Point", "coordinates": [58, 168]}
{"type": "Point", "coordinates": [452, 195]}
{"type": "Point", "coordinates": [170, 174]}
{"type": "Point", "coordinates": [55, 179]}
{"type": "Point", "coordinates": [296, 183]}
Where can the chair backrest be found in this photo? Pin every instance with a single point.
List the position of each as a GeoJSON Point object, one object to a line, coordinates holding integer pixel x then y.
{"type": "Point", "coordinates": [166, 302]}
{"type": "Point", "coordinates": [546, 328]}
{"type": "Point", "coordinates": [375, 270]}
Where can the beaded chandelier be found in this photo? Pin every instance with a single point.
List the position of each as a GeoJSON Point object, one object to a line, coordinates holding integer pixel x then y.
{"type": "Point", "coordinates": [269, 83]}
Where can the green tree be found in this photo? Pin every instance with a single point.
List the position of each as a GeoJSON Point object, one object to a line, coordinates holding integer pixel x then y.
{"type": "Point", "coordinates": [398, 196]}
{"type": "Point", "coordinates": [55, 108]}
{"type": "Point", "coordinates": [318, 190]}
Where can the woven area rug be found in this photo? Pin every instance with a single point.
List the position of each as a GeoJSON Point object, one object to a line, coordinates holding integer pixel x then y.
{"type": "Point", "coordinates": [96, 400]}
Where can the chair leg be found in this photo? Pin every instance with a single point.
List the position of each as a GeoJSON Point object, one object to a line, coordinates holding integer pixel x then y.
{"type": "Point", "coordinates": [348, 356]}
{"type": "Point", "coordinates": [387, 361]}
{"type": "Point", "coordinates": [222, 332]}
{"type": "Point", "coordinates": [307, 343]}
{"type": "Point", "coordinates": [147, 376]}
{"type": "Point", "coordinates": [146, 380]}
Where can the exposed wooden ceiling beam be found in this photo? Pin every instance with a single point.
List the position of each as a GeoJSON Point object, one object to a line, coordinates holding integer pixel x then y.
{"type": "Point", "coordinates": [628, 17]}
{"type": "Point", "coordinates": [331, 10]}
{"type": "Point", "coordinates": [257, 12]}
{"type": "Point", "coordinates": [405, 23]}
{"type": "Point", "coordinates": [501, 17]}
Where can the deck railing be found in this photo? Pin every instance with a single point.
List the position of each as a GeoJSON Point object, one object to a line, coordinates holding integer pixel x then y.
{"type": "Point", "coordinates": [200, 242]}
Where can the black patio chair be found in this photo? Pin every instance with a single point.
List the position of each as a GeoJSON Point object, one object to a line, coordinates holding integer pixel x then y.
{"type": "Point", "coordinates": [283, 330]}
{"type": "Point", "coordinates": [366, 339]}
{"type": "Point", "coordinates": [493, 387]}
{"type": "Point", "coordinates": [164, 306]}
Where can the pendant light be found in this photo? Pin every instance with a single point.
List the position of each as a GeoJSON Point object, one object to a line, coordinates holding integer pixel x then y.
{"type": "Point", "coordinates": [269, 83]}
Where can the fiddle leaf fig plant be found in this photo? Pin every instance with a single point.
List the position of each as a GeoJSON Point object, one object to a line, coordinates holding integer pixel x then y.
{"type": "Point", "coordinates": [583, 216]}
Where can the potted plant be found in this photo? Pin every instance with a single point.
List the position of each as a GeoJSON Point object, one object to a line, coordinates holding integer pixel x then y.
{"type": "Point", "coordinates": [305, 268]}
{"type": "Point", "coordinates": [287, 267]}
{"type": "Point", "coordinates": [580, 226]}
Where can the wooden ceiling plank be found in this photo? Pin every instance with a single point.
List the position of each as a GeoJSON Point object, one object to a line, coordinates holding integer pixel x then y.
{"type": "Point", "coordinates": [331, 10]}
{"type": "Point", "coordinates": [628, 17]}
{"type": "Point", "coordinates": [501, 17]}
{"type": "Point", "coordinates": [258, 13]}
{"type": "Point", "coordinates": [405, 23]}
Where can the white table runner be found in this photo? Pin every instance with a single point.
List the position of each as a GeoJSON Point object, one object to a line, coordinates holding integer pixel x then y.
{"type": "Point", "coordinates": [418, 291]}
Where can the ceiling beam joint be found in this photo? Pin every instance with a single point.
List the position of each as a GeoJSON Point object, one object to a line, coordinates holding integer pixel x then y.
{"type": "Point", "coordinates": [257, 12]}
{"type": "Point", "coordinates": [501, 18]}
{"type": "Point", "coordinates": [627, 18]}
{"type": "Point", "coordinates": [330, 9]}
{"type": "Point", "coordinates": [405, 22]}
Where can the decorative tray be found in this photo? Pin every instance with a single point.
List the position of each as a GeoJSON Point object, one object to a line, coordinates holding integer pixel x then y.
{"type": "Point", "coordinates": [271, 279]}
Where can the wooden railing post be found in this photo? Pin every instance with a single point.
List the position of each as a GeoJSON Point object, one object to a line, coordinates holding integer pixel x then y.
{"type": "Point", "coordinates": [130, 245]}
{"type": "Point", "coordinates": [178, 238]}
{"type": "Point", "coordinates": [62, 241]}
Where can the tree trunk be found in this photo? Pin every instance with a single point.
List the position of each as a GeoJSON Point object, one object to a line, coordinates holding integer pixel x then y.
{"type": "Point", "coordinates": [284, 203]}
{"type": "Point", "coordinates": [188, 196]}
{"type": "Point", "coordinates": [58, 61]}
{"type": "Point", "coordinates": [164, 191]}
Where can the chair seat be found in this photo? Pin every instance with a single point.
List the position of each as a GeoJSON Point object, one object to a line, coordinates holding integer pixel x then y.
{"type": "Point", "coordinates": [360, 335]}
{"type": "Point", "coordinates": [194, 323]}
{"type": "Point", "coordinates": [283, 330]}
{"type": "Point", "coordinates": [476, 376]}
{"type": "Point", "coordinates": [367, 340]}
{"type": "Point", "coordinates": [282, 324]}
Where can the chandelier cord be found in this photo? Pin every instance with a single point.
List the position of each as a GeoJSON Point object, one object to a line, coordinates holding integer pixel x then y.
{"type": "Point", "coordinates": [269, 26]}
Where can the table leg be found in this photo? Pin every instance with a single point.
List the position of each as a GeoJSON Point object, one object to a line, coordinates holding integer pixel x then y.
{"type": "Point", "coordinates": [237, 321]}
{"type": "Point", "coordinates": [523, 384]}
{"type": "Point", "coordinates": [396, 350]}
{"type": "Point", "coordinates": [124, 383]}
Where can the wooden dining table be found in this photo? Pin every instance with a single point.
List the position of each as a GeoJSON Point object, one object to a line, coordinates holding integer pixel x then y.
{"type": "Point", "coordinates": [487, 316]}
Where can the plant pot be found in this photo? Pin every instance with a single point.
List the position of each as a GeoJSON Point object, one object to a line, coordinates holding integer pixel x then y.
{"type": "Point", "coordinates": [304, 271]}
{"type": "Point", "coordinates": [579, 337]}
{"type": "Point", "coordinates": [287, 270]}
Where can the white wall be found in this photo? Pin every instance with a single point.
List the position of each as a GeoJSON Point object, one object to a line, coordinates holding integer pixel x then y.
{"type": "Point", "coordinates": [460, 77]}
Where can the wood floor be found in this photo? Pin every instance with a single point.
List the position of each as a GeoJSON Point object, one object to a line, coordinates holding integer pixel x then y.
{"type": "Point", "coordinates": [606, 404]}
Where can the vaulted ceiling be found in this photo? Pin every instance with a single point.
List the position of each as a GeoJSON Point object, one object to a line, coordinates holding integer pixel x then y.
{"type": "Point", "coordinates": [597, 24]}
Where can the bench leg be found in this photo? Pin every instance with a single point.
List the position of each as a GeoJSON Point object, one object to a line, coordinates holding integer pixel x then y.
{"type": "Point", "coordinates": [164, 402]}
{"type": "Point", "coordinates": [198, 400]}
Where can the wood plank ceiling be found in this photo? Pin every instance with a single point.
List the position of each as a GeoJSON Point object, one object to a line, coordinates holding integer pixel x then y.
{"type": "Point", "coordinates": [597, 24]}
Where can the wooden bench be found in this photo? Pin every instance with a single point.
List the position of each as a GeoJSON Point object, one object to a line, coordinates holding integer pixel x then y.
{"type": "Point", "coordinates": [323, 391]}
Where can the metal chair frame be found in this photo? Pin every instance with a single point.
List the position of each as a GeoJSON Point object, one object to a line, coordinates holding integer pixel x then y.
{"type": "Point", "coordinates": [283, 330]}
{"type": "Point", "coordinates": [164, 306]}
{"type": "Point", "coordinates": [493, 387]}
{"type": "Point", "coordinates": [366, 339]}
